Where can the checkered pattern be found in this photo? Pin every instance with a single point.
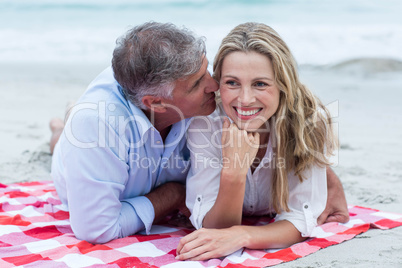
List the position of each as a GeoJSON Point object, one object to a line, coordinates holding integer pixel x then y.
{"type": "Point", "coordinates": [35, 232]}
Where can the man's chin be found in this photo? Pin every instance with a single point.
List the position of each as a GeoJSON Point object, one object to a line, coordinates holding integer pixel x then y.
{"type": "Point", "coordinates": [212, 108]}
{"type": "Point", "coordinates": [207, 110]}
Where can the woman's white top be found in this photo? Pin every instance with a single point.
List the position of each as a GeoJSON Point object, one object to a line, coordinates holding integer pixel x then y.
{"type": "Point", "coordinates": [307, 200]}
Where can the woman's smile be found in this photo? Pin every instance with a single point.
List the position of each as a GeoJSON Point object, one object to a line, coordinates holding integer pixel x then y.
{"type": "Point", "coordinates": [247, 113]}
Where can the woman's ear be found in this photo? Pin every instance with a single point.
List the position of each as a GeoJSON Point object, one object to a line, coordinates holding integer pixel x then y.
{"type": "Point", "coordinates": [154, 103]}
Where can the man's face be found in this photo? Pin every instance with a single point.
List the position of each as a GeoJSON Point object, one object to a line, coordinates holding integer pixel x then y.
{"type": "Point", "coordinates": [194, 95]}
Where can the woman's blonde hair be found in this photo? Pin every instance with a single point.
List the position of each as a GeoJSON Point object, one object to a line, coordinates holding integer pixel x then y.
{"type": "Point", "coordinates": [302, 125]}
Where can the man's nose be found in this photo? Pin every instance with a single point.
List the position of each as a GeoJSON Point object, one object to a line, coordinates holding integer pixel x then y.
{"type": "Point", "coordinates": [212, 85]}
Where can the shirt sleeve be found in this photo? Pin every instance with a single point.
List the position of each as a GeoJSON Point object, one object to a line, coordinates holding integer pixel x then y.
{"type": "Point", "coordinates": [202, 185]}
{"type": "Point", "coordinates": [96, 175]}
{"type": "Point", "coordinates": [307, 200]}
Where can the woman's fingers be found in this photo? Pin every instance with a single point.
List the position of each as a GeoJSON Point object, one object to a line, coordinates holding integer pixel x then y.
{"type": "Point", "coordinates": [257, 138]}
{"type": "Point", "coordinates": [200, 248]}
{"type": "Point", "coordinates": [210, 243]}
{"type": "Point", "coordinates": [193, 254]}
{"type": "Point", "coordinates": [204, 256]}
{"type": "Point", "coordinates": [254, 139]}
{"type": "Point", "coordinates": [192, 245]}
{"type": "Point", "coordinates": [225, 130]}
{"type": "Point", "coordinates": [238, 145]}
{"type": "Point", "coordinates": [184, 241]}
{"type": "Point", "coordinates": [226, 123]}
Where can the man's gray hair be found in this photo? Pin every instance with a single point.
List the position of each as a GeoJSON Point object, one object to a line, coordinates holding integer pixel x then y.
{"type": "Point", "coordinates": [150, 57]}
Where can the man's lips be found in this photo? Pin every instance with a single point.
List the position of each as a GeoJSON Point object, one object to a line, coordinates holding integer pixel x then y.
{"type": "Point", "coordinates": [212, 98]}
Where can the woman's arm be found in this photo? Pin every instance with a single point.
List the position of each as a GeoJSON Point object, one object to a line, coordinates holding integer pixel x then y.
{"type": "Point", "coordinates": [336, 209]}
{"type": "Point", "coordinates": [238, 153]}
{"type": "Point", "coordinates": [306, 202]}
{"type": "Point", "coordinates": [228, 208]}
{"type": "Point", "coordinates": [205, 244]}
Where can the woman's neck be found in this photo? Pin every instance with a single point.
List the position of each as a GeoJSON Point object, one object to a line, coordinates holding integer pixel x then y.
{"type": "Point", "coordinates": [264, 139]}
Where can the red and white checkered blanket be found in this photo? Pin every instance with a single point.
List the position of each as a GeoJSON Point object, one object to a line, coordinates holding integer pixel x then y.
{"type": "Point", "coordinates": [35, 232]}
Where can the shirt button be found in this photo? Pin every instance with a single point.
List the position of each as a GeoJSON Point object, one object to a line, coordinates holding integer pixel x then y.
{"type": "Point", "coordinates": [306, 206]}
{"type": "Point", "coordinates": [199, 199]}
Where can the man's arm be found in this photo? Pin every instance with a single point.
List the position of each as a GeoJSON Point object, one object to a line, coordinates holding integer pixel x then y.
{"type": "Point", "coordinates": [95, 186]}
{"type": "Point", "coordinates": [167, 198]}
{"type": "Point", "coordinates": [336, 209]}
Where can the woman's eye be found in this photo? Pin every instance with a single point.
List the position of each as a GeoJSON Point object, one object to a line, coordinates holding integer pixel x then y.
{"type": "Point", "coordinates": [231, 83]}
{"type": "Point", "coordinates": [260, 84]}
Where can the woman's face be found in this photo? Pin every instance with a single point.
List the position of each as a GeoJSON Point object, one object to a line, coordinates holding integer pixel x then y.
{"type": "Point", "coordinates": [248, 90]}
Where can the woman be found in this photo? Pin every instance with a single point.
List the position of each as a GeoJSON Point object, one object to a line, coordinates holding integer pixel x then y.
{"type": "Point", "coordinates": [270, 159]}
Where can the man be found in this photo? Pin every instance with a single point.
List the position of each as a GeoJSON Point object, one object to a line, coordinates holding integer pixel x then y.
{"type": "Point", "coordinates": [121, 161]}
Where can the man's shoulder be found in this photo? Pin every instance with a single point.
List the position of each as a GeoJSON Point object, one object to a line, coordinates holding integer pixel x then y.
{"type": "Point", "coordinates": [104, 95]}
{"type": "Point", "coordinates": [103, 87]}
{"type": "Point", "coordinates": [104, 104]}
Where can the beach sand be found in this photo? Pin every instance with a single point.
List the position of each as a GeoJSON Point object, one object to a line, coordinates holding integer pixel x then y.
{"type": "Point", "coordinates": [365, 103]}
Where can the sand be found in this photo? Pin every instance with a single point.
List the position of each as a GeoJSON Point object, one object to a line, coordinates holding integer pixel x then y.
{"type": "Point", "coordinates": [365, 102]}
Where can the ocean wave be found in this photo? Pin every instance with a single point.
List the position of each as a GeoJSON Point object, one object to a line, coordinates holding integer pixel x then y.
{"type": "Point", "coordinates": [86, 30]}
{"type": "Point", "coordinates": [368, 65]}
{"type": "Point", "coordinates": [359, 66]}
{"type": "Point", "coordinates": [97, 5]}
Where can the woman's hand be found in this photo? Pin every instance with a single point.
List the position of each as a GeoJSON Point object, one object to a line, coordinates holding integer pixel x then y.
{"type": "Point", "coordinates": [239, 148]}
{"type": "Point", "coordinates": [205, 244]}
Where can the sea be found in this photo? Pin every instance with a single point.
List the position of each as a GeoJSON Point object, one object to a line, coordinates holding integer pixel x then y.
{"type": "Point", "coordinates": [319, 32]}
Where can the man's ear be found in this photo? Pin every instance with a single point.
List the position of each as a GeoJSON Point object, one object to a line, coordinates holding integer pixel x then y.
{"type": "Point", "coordinates": [154, 103]}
